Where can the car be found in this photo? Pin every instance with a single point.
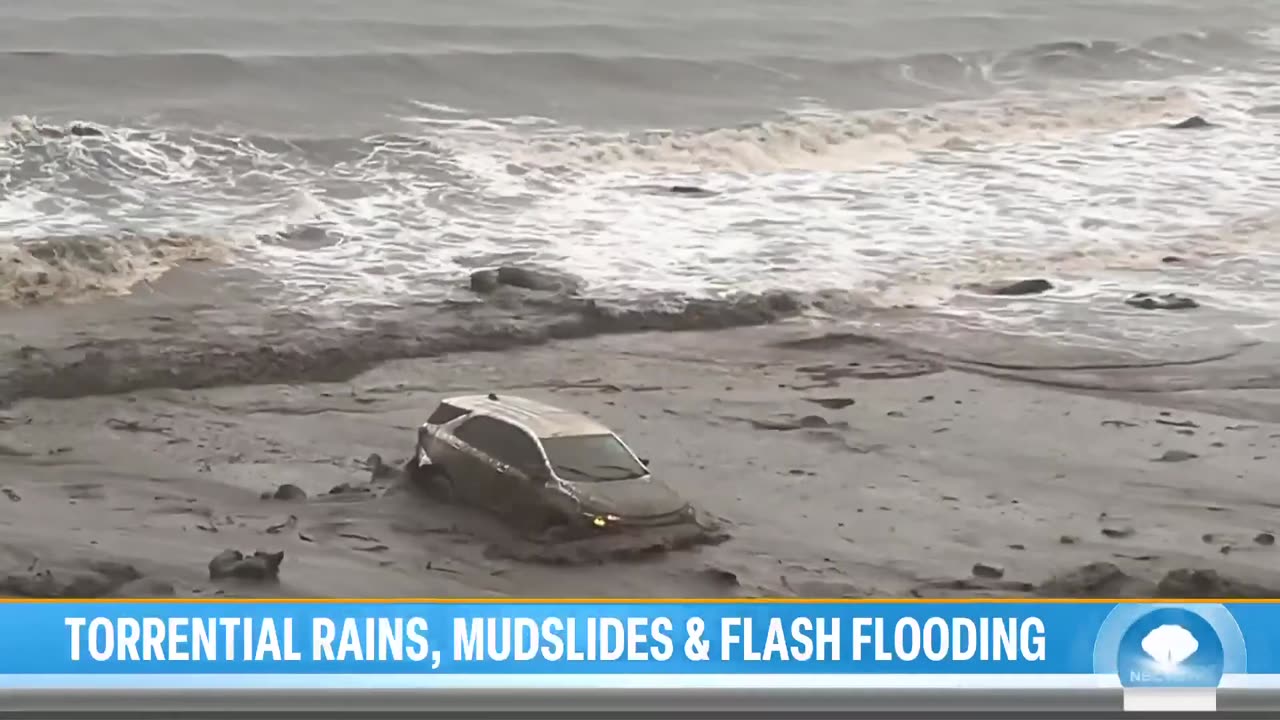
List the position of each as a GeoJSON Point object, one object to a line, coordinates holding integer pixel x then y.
{"type": "Point", "coordinates": [540, 467]}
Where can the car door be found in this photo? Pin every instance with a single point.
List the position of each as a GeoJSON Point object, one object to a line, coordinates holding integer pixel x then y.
{"type": "Point", "coordinates": [476, 477]}
{"type": "Point", "coordinates": [518, 478]}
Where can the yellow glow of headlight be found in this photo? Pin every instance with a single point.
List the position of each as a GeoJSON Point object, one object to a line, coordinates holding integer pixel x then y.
{"type": "Point", "coordinates": [598, 521]}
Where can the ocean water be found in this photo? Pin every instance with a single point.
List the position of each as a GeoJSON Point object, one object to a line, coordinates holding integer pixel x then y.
{"type": "Point", "coordinates": [895, 152]}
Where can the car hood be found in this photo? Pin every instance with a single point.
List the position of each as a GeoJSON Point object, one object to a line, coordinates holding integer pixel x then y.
{"type": "Point", "coordinates": [638, 497]}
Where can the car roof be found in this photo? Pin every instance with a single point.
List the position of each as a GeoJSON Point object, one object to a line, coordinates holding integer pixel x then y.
{"type": "Point", "coordinates": [543, 420]}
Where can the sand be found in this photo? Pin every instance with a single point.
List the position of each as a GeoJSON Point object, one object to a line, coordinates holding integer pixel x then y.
{"type": "Point", "coordinates": [842, 461]}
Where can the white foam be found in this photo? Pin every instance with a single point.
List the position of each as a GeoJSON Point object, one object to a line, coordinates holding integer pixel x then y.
{"type": "Point", "coordinates": [1088, 189]}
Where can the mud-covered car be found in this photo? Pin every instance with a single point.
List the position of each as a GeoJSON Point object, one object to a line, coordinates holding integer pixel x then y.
{"type": "Point", "coordinates": [540, 467]}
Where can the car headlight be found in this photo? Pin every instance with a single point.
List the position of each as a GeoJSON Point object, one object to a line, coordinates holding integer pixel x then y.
{"type": "Point", "coordinates": [599, 521]}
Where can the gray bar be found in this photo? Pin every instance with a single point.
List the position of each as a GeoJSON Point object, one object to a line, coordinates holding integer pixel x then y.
{"type": "Point", "coordinates": [559, 704]}
{"type": "Point", "coordinates": [552, 703]}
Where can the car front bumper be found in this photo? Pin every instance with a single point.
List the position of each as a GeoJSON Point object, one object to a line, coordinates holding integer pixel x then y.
{"type": "Point", "coordinates": [609, 521]}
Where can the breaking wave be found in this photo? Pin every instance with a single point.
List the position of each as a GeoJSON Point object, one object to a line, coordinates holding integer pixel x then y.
{"type": "Point", "coordinates": [826, 141]}
{"type": "Point", "coordinates": [80, 267]}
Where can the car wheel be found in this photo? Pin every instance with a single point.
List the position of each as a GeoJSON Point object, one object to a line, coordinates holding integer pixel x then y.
{"type": "Point", "coordinates": [548, 525]}
{"type": "Point", "coordinates": [431, 478]}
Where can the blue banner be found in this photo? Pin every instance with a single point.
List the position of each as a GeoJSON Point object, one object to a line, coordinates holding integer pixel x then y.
{"type": "Point", "coordinates": [1185, 644]}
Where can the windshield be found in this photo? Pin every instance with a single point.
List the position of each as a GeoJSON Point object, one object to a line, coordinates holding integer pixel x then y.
{"type": "Point", "coordinates": [592, 458]}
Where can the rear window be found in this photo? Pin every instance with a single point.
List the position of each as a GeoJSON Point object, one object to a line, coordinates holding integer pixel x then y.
{"type": "Point", "coordinates": [446, 413]}
{"type": "Point", "coordinates": [592, 458]}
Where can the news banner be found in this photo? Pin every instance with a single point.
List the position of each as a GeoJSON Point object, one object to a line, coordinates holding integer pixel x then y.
{"type": "Point", "coordinates": [607, 658]}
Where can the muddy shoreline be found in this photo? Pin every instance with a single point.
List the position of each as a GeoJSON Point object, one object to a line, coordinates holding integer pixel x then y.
{"type": "Point", "coordinates": [843, 459]}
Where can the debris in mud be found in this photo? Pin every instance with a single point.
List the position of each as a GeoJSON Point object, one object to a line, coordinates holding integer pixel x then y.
{"type": "Point", "coordinates": [807, 422]}
{"type": "Point", "coordinates": [1100, 579]}
{"type": "Point", "coordinates": [1106, 580]}
{"type": "Point", "coordinates": [288, 524]}
{"type": "Point", "coordinates": [1117, 533]}
{"type": "Point", "coordinates": [1202, 584]}
{"type": "Point", "coordinates": [720, 577]}
{"type": "Point", "coordinates": [93, 579]}
{"type": "Point", "coordinates": [835, 403]}
{"type": "Point", "coordinates": [347, 488]}
{"type": "Point", "coordinates": [639, 544]}
{"type": "Point", "coordinates": [1195, 122]}
{"type": "Point", "coordinates": [1265, 539]}
{"type": "Point", "coordinates": [145, 588]}
{"type": "Point", "coordinates": [261, 566]}
{"type": "Point", "coordinates": [988, 571]}
{"type": "Point", "coordinates": [134, 426]}
{"type": "Point", "coordinates": [286, 492]}
{"type": "Point", "coordinates": [1173, 456]}
{"type": "Point", "coordinates": [1068, 540]}
{"type": "Point", "coordinates": [1032, 286]}
{"type": "Point", "coordinates": [1167, 301]}
{"type": "Point", "coordinates": [1177, 423]}
{"type": "Point", "coordinates": [971, 586]}
{"type": "Point", "coordinates": [12, 495]}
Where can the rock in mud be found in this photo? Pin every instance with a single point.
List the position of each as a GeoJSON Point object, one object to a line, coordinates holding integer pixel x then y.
{"type": "Point", "coordinates": [988, 571]}
{"type": "Point", "coordinates": [145, 588]}
{"type": "Point", "coordinates": [91, 580]}
{"type": "Point", "coordinates": [287, 493]}
{"type": "Point", "coordinates": [260, 566]}
{"type": "Point", "coordinates": [1195, 122]}
{"type": "Point", "coordinates": [1188, 583]}
{"type": "Point", "coordinates": [349, 489]}
{"type": "Point", "coordinates": [1167, 301]}
{"type": "Point", "coordinates": [524, 278]}
{"type": "Point", "coordinates": [1173, 456]}
{"type": "Point", "coordinates": [1032, 286]}
{"type": "Point", "coordinates": [1097, 580]}
{"type": "Point", "coordinates": [690, 191]}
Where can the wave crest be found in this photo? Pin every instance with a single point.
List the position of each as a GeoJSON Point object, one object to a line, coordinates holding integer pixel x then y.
{"type": "Point", "coordinates": [77, 267]}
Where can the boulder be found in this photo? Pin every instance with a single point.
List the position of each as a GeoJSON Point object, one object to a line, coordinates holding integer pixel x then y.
{"type": "Point", "coordinates": [260, 566]}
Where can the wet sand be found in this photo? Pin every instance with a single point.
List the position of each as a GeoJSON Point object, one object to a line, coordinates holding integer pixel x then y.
{"type": "Point", "coordinates": [840, 464]}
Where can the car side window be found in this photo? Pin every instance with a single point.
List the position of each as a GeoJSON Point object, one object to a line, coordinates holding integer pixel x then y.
{"type": "Point", "coordinates": [502, 441]}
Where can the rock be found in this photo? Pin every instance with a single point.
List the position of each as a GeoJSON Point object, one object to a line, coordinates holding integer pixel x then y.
{"type": "Point", "coordinates": [690, 190]}
{"type": "Point", "coordinates": [721, 577]}
{"type": "Point", "coordinates": [287, 493]}
{"type": "Point", "coordinates": [145, 588]}
{"type": "Point", "coordinates": [1265, 538]}
{"type": "Point", "coordinates": [1168, 301]}
{"type": "Point", "coordinates": [484, 281]}
{"type": "Point", "coordinates": [1171, 259]}
{"type": "Point", "coordinates": [988, 571]}
{"type": "Point", "coordinates": [1096, 580]}
{"type": "Point", "coordinates": [1118, 532]}
{"type": "Point", "coordinates": [1201, 584]}
{"type": "Point", "coordinates": [524, 278]}
{"type": "Point", "coordinates": [348, 489]}
{"type": "Point", "coordinates": [1195, 122]}
{"type": "Point", "coordinates": [1068, 540]}
{"type": "Point", "coordinates": [93, 579]}
{"type": "Point", "coordinates": [1176, 456]}
{"type": "Point", "coordinates": [260, 567]}
{"type": "Point", "coordinates": [1033, 286]}
{"type": "Point", "coordinates": [834, 403]}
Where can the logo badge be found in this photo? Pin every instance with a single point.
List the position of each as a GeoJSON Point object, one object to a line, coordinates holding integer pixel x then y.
{"type": "Point", "coordinates": [1173, 646]}
{"type": "Point", "coordinates": [1170, 647]}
